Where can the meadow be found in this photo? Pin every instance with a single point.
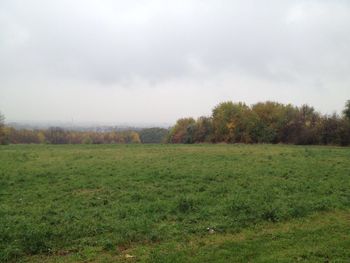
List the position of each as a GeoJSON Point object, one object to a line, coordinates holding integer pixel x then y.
{"type": "Point", "coordinates": [174, 203]}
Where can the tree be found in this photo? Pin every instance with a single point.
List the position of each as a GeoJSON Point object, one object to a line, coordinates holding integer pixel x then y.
{"type": "Point", "coordinates": [56, 135]}
{"type": "Point", "coordinates": [133, 137]}
{"type": "Point", "coordinates": [307, 122]}
{"type": "Point", "coordinates": [183, 131]}
{"type": "Point", "coordinates": [334, 130]}
{"type": "Point", "coordinates": [346, 111]}
{"type": "Point", "coordinates": [222, 116]}
{"type": "Point", "coordinates": [153, 135]}
{"type": "Point", "coordinates": [232, 122]}
{"type": "Point", "coordinates": [203, 130]}
{"type": "Point", "coordinates": [273, 117]}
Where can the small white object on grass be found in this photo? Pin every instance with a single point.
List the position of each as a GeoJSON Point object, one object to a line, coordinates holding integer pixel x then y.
{"type": "Point", "coordinates": [211, 230]}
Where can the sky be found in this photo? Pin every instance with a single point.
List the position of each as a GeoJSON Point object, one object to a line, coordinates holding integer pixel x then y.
{"type": "Point", "coordinates": [145, 61]}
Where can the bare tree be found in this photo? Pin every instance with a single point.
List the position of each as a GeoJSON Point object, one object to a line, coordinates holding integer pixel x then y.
{"type": "Point", "coordinates": [346, 111]}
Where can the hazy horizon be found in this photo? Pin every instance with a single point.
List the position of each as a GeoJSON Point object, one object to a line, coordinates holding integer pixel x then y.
{"type": "Point", "coordinates": [153, 62]}
{"type": "Point", "coordinates": [85, 124]}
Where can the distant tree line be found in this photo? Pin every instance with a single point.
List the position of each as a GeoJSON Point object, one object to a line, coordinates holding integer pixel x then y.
{"type": "Point", "coordinates": [264, 122]}
{"type": "Point", "coordinates": [153, 135]}
{"type": "Point", "coordinates": [57, 135]}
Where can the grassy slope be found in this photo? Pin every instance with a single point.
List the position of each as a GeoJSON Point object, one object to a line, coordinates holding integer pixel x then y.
{"type": "Point", "coordinates": [155, 202]}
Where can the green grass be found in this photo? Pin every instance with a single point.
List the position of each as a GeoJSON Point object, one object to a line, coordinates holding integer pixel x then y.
{"type": "Point", "coordinates": [154, 203]}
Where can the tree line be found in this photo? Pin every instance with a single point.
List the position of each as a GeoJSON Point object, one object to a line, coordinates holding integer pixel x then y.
{"type": "Point", "coordinates": [57, 135]}
{"type": "Point", "coordinates": [264, 122]}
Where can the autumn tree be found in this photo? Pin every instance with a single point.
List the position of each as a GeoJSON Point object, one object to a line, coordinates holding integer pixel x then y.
{"type": "Point", "coordinates": [183, 131]}
{"type": "Point", "coordinates": [203, 130]}
{"type": "Point", "coordinates": [132, 137]}
{"type": "Point", "coordinates": [273, 116]}
{"type": "Point", "coordinates": [231, 122]}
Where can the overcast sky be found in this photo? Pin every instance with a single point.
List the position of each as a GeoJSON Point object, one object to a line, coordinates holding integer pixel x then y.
{"type": "Point", "coordinates": [156, 61]}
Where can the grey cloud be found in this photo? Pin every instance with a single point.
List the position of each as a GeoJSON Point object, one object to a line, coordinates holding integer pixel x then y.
{"type": "Point", "coordinates": [261, 38]}
{"type": "Point", "coordinates": [112, 43]}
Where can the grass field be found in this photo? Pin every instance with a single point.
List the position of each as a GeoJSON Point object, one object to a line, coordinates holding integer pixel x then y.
{"type": "Point", "coordinates": [155, 203]}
